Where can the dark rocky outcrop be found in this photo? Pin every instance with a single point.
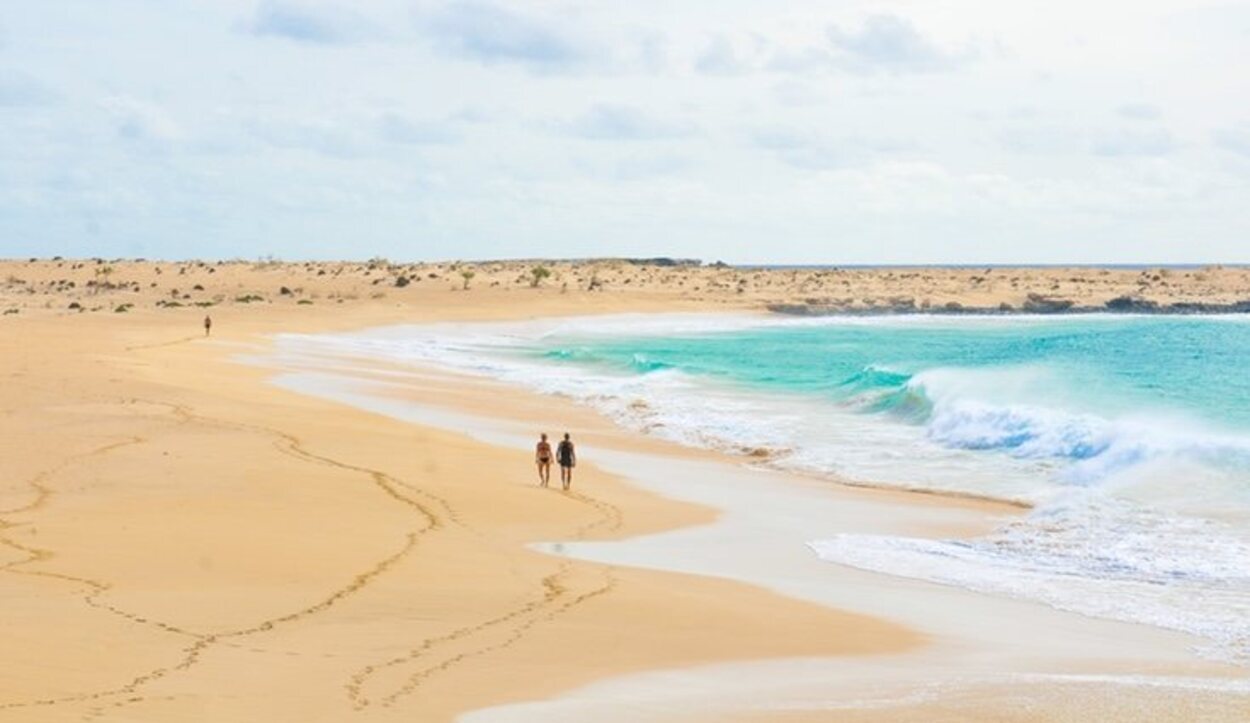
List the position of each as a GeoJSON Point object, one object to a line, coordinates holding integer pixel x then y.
{"type": "Point", "coordinates": [1204, 307]}
{"type": "Point", "coordinates": [1033, 304]}
{"type": "Point", "coordinates": [1129, 303]}
{"type": "Point", "coordinates": [664, 261]}
{"type": "Point", "coordinates": [1038, 304]}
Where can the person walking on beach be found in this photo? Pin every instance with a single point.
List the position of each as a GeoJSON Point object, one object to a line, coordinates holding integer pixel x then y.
{"type": "Point", "coordinates": [542, 456]}
{"type": "Point", "coordinates": [208, 325]}
{"type": "Point", "coordinates": [567, 457]}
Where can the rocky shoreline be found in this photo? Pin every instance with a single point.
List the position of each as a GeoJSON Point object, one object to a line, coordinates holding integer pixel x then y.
{"type": "Point", "coordinates": [1033, 304]}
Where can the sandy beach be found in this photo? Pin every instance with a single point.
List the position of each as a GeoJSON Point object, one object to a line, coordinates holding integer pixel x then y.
{"type": "Point", "coordinates": [196, 529]}
{"type": "Point", "coordinates": [903, 346]}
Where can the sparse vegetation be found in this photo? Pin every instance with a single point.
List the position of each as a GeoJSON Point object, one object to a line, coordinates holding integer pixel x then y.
{"type": "Point", "coordinates": [537, 274]}
{"type": "Point", "coordinates": [467, 275]}
{"type": "Point", "coordinates": [102, 274]}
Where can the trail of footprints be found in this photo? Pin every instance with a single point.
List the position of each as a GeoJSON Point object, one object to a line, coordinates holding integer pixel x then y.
{"type": "Point", "coordinates": [430, 657]}
{"type": "Point", "coordinates": [427, 657]}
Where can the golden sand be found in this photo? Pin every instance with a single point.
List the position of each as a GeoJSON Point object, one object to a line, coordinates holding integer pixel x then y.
{"type": "Point", "coordinates": [181, 541]}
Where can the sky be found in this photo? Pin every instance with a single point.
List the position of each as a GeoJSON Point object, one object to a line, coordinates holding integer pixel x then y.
{"type": "Point", "coordinates": [769, 131]}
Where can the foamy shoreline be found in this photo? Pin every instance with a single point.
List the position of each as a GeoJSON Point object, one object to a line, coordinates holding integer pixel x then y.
{"type": "Point", "coordinates": [794, 574]}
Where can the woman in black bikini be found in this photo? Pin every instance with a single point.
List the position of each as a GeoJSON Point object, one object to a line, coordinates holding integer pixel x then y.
{"type": "Point", "coordinates": [567, 457]}
{"type": "Point", "coordinates": [542, 455]}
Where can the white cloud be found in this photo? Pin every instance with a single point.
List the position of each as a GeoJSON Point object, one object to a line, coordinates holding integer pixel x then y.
{"type": "Point", "coordinates": [610, 122]}
{"type": "Point", "coordinates": [318, 24]}
{"type": "Point", "coordinates": [891, 44]}
{"type": "Point", "coordinates": [940, 132]}
{"type": "Point", "coordinates": [399, 129]}
{"type": "Point", "coordinates": [800, 149]}
{"type": "Point", "coordinates": [321, 136]}
{"type": "Point", "coordinates": [1054, 140]}
{"type": "Point", "coordinates": [879, 44]}
{"type": "Point", "coordinates": [18, 89]}
{"type": "Point", "coordinates": [1234, 138]}
{"type": "Point", "coordinates": [491, 34]}
{"type": "Point", "coordinates": [499, 34]}
{"type": "Point", "coordinates": [1140, 111]}
{"type": "Point", "coordinates": [720, 58]}
{"type": "Point", "coordinates": [141, 120]}
{"type": "Point", "coordinates": [1153, 142]}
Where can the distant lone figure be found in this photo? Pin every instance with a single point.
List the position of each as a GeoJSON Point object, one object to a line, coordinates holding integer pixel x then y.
{"type": "Point", "coordinates": [542, 456]}
{"type": "Point", "coordinates": [567, 457]}
{"type": "Point", "coordinates": [208, 325]}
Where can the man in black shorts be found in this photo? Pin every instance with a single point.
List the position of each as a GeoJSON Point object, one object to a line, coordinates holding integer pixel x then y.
{"type": "Point", "coordinates": [567, 457]}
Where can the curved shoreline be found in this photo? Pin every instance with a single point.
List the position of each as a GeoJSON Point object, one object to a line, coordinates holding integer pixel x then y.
{"type": "Point", "coordinates": [495, 422]}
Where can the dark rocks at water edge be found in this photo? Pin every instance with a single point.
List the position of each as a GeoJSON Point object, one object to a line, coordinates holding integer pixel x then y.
{"type": "Point", "coordinates": [665, 262]}
{"type": "Point", "coordinates": [1033, 304]}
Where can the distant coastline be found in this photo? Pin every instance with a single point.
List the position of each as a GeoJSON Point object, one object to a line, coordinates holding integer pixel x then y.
{"type": "Point", "coordinates": [1033, 304]}
{"type": "Point", "coordinates": [73, 286]}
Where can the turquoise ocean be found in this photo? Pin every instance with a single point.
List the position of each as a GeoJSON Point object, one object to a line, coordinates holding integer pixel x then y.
{"type": "Point", "coordinates": [1127, 437]}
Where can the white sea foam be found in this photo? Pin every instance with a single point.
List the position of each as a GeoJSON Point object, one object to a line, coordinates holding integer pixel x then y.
{"type": "Point", "coordinates": [1034, 449]}
{"type": "Point", "coordinates": [992, 410]}
{"type": "Point", "coordinates": [799, 433]}
{"type": "Point", "coordinates": [1111, 534]}
{"type": "Point", "coordinates": [1093, 555]}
